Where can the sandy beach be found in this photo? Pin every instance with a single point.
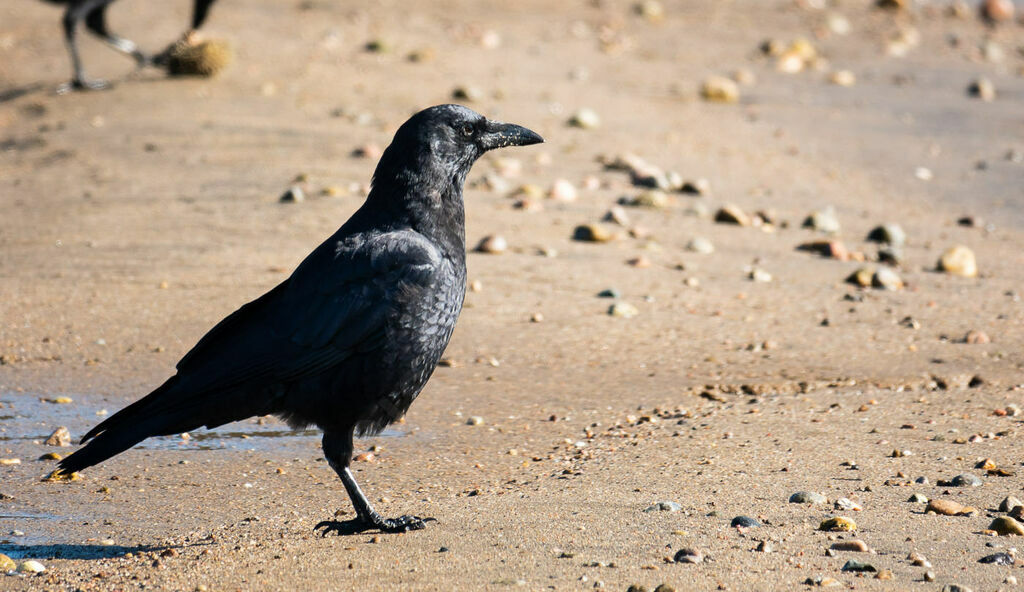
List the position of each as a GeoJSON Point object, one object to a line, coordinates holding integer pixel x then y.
{"type": "Point", "coordinates": [739, 368]}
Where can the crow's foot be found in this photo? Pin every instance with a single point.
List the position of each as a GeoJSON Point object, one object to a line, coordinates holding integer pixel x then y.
{"type": "Point", "coordinates": [83, 84]}
{"type": "Point", "coordinates": [373, 522]}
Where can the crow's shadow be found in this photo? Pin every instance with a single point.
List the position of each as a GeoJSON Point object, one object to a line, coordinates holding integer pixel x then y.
{"type": "Point", "coordinates": [73, 551]}
{"type": "Point", "coordinates": [10, 94]}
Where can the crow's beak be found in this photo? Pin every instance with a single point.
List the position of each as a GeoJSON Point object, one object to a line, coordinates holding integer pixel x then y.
{"type": "Point", "coordinates": [499, 135]}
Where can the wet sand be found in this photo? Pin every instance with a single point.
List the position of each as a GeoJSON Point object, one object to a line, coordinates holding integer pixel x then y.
{"type": "Point", "coordinates": [137, 218]}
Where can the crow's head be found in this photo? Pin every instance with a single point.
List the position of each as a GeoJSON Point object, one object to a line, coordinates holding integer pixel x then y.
{"type": "Point", "coordinates": [448, 139]}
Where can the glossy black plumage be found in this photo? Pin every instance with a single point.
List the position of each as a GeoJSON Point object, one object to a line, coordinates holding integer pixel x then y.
{"type": "Point", "coordinates": [349, 340]}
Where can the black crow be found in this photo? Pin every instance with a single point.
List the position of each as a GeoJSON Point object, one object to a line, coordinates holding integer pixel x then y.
{"type": "Point", "coordinates": [94, 13]}
{"type": "Point", "coordinates": [348, 341]}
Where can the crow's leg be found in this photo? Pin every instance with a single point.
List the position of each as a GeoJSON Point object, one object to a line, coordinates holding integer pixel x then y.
{"type": "Point", "coordinates": [199, 12]}
{"type": "Point", "coordinates": [338, 450]}
{"type": "Point", "coordinates": [96, 21]}
{"type": "Point", "coordinates": [77, 9]}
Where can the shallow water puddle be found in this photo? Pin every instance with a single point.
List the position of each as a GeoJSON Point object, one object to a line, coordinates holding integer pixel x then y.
{"type": "Point", "coordinates": [31, 418]}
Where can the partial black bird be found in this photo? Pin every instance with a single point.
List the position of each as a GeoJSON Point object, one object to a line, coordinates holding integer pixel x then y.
{"type": "Point", "coordinates": [94, 14]}
{"type": "Point", "coordinates": [351, 338]}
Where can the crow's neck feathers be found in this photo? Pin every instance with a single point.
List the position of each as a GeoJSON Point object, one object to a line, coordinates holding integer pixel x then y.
{"type": "Point", "coordinates": [425, 194]}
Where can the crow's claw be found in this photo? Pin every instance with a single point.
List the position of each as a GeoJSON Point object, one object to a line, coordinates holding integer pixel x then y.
{"type": "Point", "coordinates": [357, 525]}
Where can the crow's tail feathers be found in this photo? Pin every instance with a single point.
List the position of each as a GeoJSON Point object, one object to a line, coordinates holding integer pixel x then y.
{"type": "Point", "coordinates": [121, 431]}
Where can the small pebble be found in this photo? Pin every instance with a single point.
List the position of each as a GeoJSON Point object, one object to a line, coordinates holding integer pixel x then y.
{"type": "Point", "coordinates": [31, 566]}
{"type": "Point", "coordinates": [858, 566]}
{"type": "Point", "coordinates": [831, 249]}
{"type": "Point", "coordinates": [60, 437]}
{"type": "Point", "coordinates": [824, 220]}
{"type": "Point", "coordinates": [468, 94]}
{"type": "Point", "coordinates": [666, 506]}
{"type": "Point", "coordinates": [917, 559]}
{"type": "Point", "coordinates": [965, 480]}
{"type": "Point", "coordinates": [759, 275]}
{"type": "Point", "coordinates": [1009, 503]}
{"type": "Point", "coordinates": [822, 582]}
{"type": "Point", "coordinates": [863, 277]}
{"type": "Point", "coordinates": [947, 508]}
{"type": "Point", "coordinates": [887, 279]}
{"type": "Point", "coordinates": [929, 576]}
{"type": "Point", "coordinates": [700, 245]}
{"type": "Point", "coordinates": [1006, 527]}
{"type": "Point", "coordinates": [765, 547]}
{"type": "Point", "coordinates": [494, 244]}
{"type": "Point", "coordinates": [975, 337]}
{"type": "Point", "coordinates": [807, 497]}
{"type": "Point", "coordinates": [998, 559]}
{"type": "Point", "coordinates": [294, 194]}
{"type": "Point", "coordinates": [838, 524]}
{"type": "Point", "coordinates": [650, 199]}
{"type": "Point", "coordinates": [744, 522]}
{"type": "Point", "coordinates": [592, 233]}
{"type": "Point", "coordinates": [688, 556]}
{"type": "Point", "coordinates": [917, 498]}
{"type": "Point", "coordinates": [885, 574]}
{"type": "Point", "coordinates": [731, 214]}
{"type": "Point", "coordinates": [847, 505]}
{"type": "Point", "coordinates": [959, 260]}
{"type": "Point", "coordinates": [719, 89]}
{"type": "Point", "coordinates": [475, 420]}
{"type": "Point", "coordinates": [609, 293]}
{"type": "Point", "coordinates": [997, 10]}
{"type": "Point", "coordinates": [585, 119]}
{"type": "Point", "coordinates": [1010, 580]}
{"type": "Point", "coordinates": [954, 587]}
{"type": "Point", "coordinates": [843, 78]}
{"type": "Point", "coordinates": [699, 186]}
{"type": "Point", "coordinates": [563, 190]}
{"type": "Point", "coordinates": [890, 234]}
{"type": "Point", "coordinates": [623, 310]}
{"type": "Point", "coordinates": [856, 546]}
{"type": "Point", "coordinates": [983, 89]}
{"type": "Point", "coordinates": [618, 215]}
{"type": "Point", "coordinates": [653, 11]}
{"type": "Point", "coordinates": [7, 564]}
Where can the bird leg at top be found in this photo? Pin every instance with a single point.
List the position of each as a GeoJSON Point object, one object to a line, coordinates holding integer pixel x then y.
{"type": "Point", "coordinates": [97, 23]}
{"type": "Point", "coordinates": [75, 12]}
{"type": "Point", "coordinates": [338, 450]}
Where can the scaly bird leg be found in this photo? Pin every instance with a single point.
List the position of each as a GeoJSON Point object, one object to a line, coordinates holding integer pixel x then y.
{"type": "Point", "coordinates": [338, 451]}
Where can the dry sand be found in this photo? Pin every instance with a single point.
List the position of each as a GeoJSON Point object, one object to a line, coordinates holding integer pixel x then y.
{"type": "Point", "coordinates": [134, 219]}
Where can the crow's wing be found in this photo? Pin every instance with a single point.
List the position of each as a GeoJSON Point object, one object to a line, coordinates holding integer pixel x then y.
{"type": "Point", "coordinates": [334, 305]}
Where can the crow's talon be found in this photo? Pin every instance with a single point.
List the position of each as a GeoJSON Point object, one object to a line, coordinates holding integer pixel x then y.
{"type": "Point", "coordinates": [357, 525]}
{"type": "Point", "coordinates": [404, 524]}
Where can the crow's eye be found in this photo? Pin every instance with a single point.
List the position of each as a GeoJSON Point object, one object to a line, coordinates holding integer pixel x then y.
{"type": "Point", "coordinates": [467, 129]}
